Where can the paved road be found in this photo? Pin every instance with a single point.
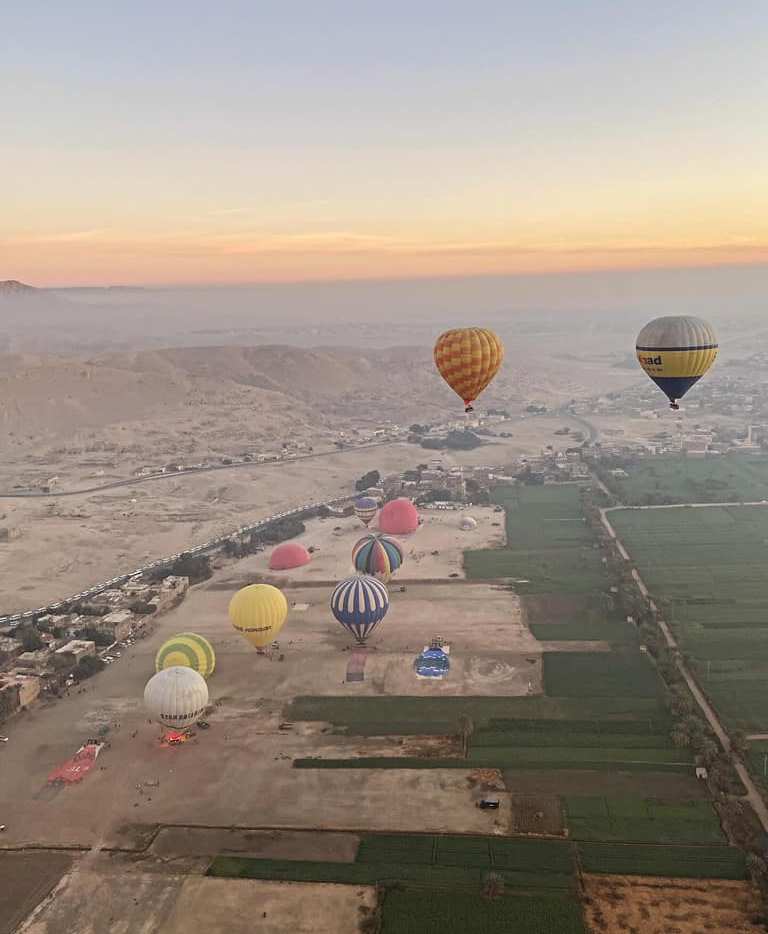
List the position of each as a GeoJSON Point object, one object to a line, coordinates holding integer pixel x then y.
{"type": "Point", "coordinates": [753, 795]}
{"type": "Point", "coordinates": [175, 474]}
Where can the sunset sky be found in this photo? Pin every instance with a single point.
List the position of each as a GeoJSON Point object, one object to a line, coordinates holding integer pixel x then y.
{"type": "Point", "coordinates": [203, 142]}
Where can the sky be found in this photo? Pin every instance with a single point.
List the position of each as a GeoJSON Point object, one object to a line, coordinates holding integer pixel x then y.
{"type": "Point", "coordinates": [237, 142]}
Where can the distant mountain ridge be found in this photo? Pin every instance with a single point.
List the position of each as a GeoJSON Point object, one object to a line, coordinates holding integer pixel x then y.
{"type": "Point", "coordinates": [14, 287]}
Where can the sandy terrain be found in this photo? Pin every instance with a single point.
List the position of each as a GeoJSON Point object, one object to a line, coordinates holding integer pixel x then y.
{"type": "Point", "coordinates": [75, 542]}
{"type": "Point", "coordinates": [333, 540]}
{"type": "Point", "coordinates": [239, 772]}
{"type": "Point", "coordinates": [671, 906]}
{"type": "Point", "coordinates": [113, 900]}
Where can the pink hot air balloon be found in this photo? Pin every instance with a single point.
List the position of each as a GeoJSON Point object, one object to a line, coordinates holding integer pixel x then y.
{"type": "Point", "coordinates": [399, 517]}
{"type": "Point", "coordinates": [289, 555]}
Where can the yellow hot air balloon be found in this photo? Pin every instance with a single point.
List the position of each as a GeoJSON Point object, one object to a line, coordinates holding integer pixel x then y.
{"type": "Point", "coordinates": [676, 351]}
{"type": "Point", "coordinates": [468, 359]}
{"type": "Point", "coordinates": [188, 650]}
{"type": "Point", "coordinates": [258, 612]}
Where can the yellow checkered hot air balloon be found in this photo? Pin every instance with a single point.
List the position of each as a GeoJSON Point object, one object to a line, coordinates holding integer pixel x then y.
{"type": "Point", "coordinates": [187, 650]}
{"type": "Point", "coordinates": [258, 613]}
{"type": "Point", "coordinates": [468, 359]}
{"type": "Point", "coordinates": [676, 351]}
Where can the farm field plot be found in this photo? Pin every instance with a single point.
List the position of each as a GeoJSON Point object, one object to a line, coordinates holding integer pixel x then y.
{"type": "Point", "coordinates": [599, 674]}
{"type": "Point", "coordinates": [659, 480]}
{"type": "Point", "coordinates": [658, 906]}
{"type": "Point", "coordinates": [642, 820]}
{"type": "Point", "coordinates": [549, 546]}
{"type": "Point", "coordinates": [379, 716]}
{"type": "Point", "coordinates": [458, 863]}
{"type": "Point", "coordinates": [691, 862]}
{"type": "Point", "coordinates": [707, 566]}
{"type": "Point", "coordinates": [444, 912]}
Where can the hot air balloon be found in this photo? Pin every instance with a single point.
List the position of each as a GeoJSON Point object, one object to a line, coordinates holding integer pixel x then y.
{"type": "Point", "coordinates": [468, 523]}
{"type": "Point", "coordinates": [187, 650]}
{"type": "Point", "coordinates": [377, 556]}
{"type": "Point", "coordinates": [360, 604]}
{"type": "Point", "coordinates": [399, 517]}
{"type": "Point", "coordinates": [258, 612]}
{"type": "Point", "coordinates": [432, 663]}
{"type": "Point", "coordinates": [366, 508]}
{"type": "Point", "coordinates": [289, 555]}
{"type": "Point", "coordinates": [176, 696]}
{"type": "Point", "coordinates": [468, 359]}
{"type": "Point", "coordinates": [676, 351]}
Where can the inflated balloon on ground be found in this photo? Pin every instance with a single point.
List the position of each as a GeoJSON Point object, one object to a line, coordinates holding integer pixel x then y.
{"type": "Point", "coordinates": [377, 556]}
{"type": "Point", "coordinates": [258, 612]}
{"type": "Point", "coordinates": [176, 696]}
{"type": "Point", "coordinates": [360, 604]}
{"type": "Point", "coordinates": [189, 650]}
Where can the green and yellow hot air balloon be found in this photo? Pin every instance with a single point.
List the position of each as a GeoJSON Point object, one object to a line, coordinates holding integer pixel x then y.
{"type": "Point", "coordinates": [188, 650]}
{"type": "Point", "coordinates": [676, 351]}
{"type": "Point", "coordinates": [258, 612]}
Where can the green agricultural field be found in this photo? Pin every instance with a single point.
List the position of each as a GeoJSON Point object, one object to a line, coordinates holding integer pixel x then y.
{"type": "Point", "coordinates": [706, 569]}
{"type": "Point", "coordinates": [600, 674]}
{"type": "Point", "coordinates": [451, 913]}
{"type": "Point", "coordinates": [642, 820]}
{"type": "Point", "coordinates": [726, 479]}
{"type": "Point", "coordinates": [616, 632]}
{"type": "Point", "coordinates": [379, 716]}
{"type": "Point", "coordinates": [692, 862]}
{"type": "Point", "coordinates": [549, 545]}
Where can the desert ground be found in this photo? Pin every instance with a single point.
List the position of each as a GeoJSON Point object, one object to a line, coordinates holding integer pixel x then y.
{"type": "Point", "coordinates": [239, 772]}
{"type": "Point", "coordinates": [110, 897]}
{"type": "Point", "coordinates": [435, 551]}
{"type": "Point", "coordinates": [68, 544]}
{"type": "Point", "coordinates": [655, 905]}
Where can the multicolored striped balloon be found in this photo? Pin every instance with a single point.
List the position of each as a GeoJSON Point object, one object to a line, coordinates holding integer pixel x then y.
{"type": "Point", "coordinates": [377, 556]}
{"type": "Point", "coordinates": [187, 650]}
{"type": "Point", "coordinates": [468, 359]}
{"type": "Point", "coordinates": [360, 604]}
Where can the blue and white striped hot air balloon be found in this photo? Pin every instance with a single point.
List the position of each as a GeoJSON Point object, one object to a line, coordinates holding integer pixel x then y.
{"type": "Point", "coordinates": [360, 604]}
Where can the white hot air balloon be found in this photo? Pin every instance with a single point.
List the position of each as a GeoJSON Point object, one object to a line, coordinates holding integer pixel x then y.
{"type": "Point", "coordinates": [176, 696]}
{"type": "Point", "coordinates": [468, 523]}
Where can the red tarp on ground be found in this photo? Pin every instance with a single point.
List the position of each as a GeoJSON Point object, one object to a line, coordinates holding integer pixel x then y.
{"type": "Point", "coordinates": [74, 769]}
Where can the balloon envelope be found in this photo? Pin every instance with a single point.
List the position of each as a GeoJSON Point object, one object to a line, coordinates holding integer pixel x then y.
{"type": "Point", "coordinates": [176, 696]}
{"type": "Point", "coordinates": [289, 555]}
{"type": "Point", "coordinates": [399, 517]}
{"type": "Point", "coordinates": [432, 663]}
{"type": "Point", "coordinates": [468, 359]}
{"type": "Point", "coordinates": [189, 650]}
{"type": "Point", "coordinates": [366, 508]}
{"type": "Point", "coordinates": [377, 556]}
{"type": "Point", "coordinates": [468, 523]}
{"type": "Point", "coordinates": [258, 613]}
{"type": "Point", "coordinates": [676, 351]}
{"type": "Point", "coordinates": [360, 604]}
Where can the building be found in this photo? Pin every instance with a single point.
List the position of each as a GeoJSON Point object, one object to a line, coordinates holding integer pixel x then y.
{"type": "Point", "coordinates": [9, 533]}
{"type": "Point", "coordinates": [77, 648]}
{"type": "Point", "coordinates": [27, 686]}
{"type": "Point", "coordinates": [171, 593]}
{"type": "Point", "coordinates": [118, 624]}
{"type": "Point", "coordinates": [35, 661]}
{"type": "Point", "coordinates": [10, 648]}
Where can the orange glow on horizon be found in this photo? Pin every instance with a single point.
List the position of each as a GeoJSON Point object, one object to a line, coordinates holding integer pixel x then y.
{"type": "Point", "coordinates": [90, 258]}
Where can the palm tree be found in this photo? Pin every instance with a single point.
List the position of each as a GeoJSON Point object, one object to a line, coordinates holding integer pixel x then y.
{"type": "Point", "coordinates": [466, 729]}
